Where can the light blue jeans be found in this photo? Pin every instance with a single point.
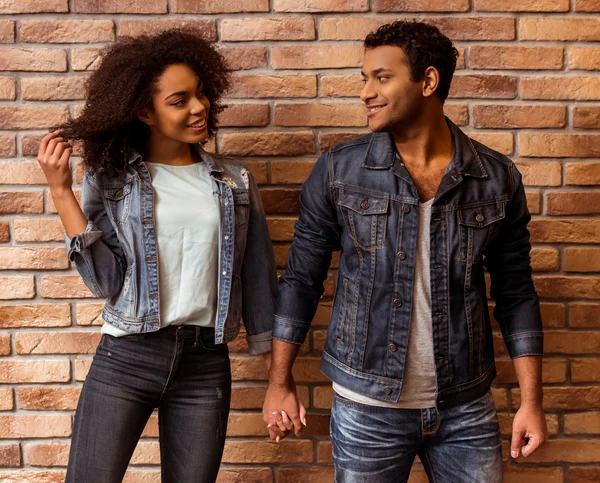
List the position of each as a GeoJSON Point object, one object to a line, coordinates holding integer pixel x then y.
{"type": "Point", "coordinates": [378, 445]}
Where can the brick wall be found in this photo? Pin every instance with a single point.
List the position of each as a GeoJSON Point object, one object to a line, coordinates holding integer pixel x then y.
{"type": "Point", "coordinates": [526, 85]}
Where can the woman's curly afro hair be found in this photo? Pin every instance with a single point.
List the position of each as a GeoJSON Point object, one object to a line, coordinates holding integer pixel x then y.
{"type": "Point", "coordinates": [123, 86]}
{"type": "Point", "coordinates": [424, 46]}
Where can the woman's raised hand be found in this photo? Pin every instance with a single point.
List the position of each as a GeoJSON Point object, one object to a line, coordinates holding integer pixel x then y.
{"type": "Point", "coordinates": [53, 156]}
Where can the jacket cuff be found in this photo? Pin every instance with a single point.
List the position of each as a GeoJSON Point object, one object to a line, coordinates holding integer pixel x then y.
{"type": "Point", "coordinates": [525, 344]}
{"type": "Point", "coordinates": [259, 343]}
{"type": "Point", "coordinates": [288, 330]}
{"type": "Point", "coordinates": [82, 241]}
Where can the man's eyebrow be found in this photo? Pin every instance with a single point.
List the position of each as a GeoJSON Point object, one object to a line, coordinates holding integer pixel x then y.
{"type": "Point", "coordinates": [375, 71]}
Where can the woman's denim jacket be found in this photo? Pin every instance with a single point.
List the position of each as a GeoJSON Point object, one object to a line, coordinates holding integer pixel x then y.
{"type": "Point", "coordinates": [360, 199]}
{"type": "Point", "coordinates": [118, 260]}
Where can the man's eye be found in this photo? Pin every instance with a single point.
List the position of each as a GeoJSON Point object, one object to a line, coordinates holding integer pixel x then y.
{"type": "Point", "coordinates": [382, 79]}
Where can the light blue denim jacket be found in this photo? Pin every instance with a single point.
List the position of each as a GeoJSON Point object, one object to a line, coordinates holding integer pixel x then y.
{"type": "Point", "coordinates": [118, 260]}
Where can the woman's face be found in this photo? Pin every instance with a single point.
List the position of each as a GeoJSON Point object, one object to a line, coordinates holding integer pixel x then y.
{"type": "Point", "coordinates": [180, 108]}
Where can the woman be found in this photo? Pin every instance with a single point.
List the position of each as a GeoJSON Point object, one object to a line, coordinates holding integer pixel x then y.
{"type": "Point", "coordinates": [176, 241]}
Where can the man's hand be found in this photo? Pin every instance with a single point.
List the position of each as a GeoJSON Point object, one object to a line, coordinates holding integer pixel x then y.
{"type": "Point", "coordinates": [529, 431]}
{"type": "Point", "coordinates": [283, 412]}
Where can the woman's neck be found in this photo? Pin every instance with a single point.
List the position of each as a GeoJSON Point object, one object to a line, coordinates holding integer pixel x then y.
{"type": "Point", "coordinates": [168, 151]}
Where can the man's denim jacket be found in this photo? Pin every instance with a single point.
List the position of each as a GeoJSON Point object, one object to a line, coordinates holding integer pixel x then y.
{"type": "Point", "coordinates": [360, 199]}
{"type": "Point", "coordinates": [118, 260]}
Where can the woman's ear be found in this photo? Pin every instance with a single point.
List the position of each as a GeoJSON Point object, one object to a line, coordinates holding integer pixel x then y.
{"type": "Point", "coordinates": [145, 116]}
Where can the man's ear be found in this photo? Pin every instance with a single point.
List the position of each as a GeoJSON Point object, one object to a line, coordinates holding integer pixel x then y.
{"type": "Point", "coordinates": [431, 81]}
{"type": "Point", "coordinates": [145, 116]}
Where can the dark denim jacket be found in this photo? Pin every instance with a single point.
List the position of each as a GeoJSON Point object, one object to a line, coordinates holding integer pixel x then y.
{"type": "Point", "coordinates": [118, 260]}
{"type": "Point", "coordinates": [361, 200]}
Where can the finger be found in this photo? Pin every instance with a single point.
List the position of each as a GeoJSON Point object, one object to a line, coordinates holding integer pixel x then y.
{"type": "Point", "coordinates": [302, 413]}
{"type": "Point", "coordinates": [516, 443]}
{"type": "Point", "coordinates": [52, 144]}
{"type": "Point", "coordinates": [277, 419]}
{"type": "Point", "coordinates": [297, 424]}
{"type": "Point", "coordinates": [66, 154]}
{"type": "Point", "coordinates": [44, 143]}
{"type": "Point", "coordinates": [533, 444]}
{"type": "Point", "coordinates": [285, 419]}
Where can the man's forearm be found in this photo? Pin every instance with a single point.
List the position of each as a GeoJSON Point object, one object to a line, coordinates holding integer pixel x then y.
{"type": "Point", "coordinates": [282, 359]}
{"type": "Point", "coordinates": [529, 375]}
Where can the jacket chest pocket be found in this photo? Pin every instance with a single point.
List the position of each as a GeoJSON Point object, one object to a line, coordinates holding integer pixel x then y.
{"type": "Point", "coordinates": [241, 204]}
{"type": "Point", "coordinates": [478, 225]}
{"type": "Point", "coordinates": [119, 202]}
{"type": "Point", "coordinates": [366, 218]}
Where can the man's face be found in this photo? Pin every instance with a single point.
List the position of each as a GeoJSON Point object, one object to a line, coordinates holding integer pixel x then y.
{"type": "Point", "coordinates": [392, 99]}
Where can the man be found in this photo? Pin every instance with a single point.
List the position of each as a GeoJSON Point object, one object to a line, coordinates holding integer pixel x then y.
{"type": "Point", "coordinates": [417, 209]}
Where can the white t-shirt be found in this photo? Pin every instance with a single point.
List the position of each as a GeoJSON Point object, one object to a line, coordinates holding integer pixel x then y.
{"type": "Point", "coordinates": [187, 222]}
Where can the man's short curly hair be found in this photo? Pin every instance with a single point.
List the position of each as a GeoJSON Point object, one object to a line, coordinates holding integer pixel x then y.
{"type": "Point", "coordinates": [424, 46]}
{"type": "Point", "coordinates": [123, 86]}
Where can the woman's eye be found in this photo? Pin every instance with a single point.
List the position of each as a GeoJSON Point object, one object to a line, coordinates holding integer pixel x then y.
{"type": "Point", "coordinates": [178, 103]}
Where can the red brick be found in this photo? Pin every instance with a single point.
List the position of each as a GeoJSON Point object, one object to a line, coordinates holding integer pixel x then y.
{"type": "Point", "coordinates": [582, 174]}
{"type": "Point", "coordinates": [119, 6]}
{"type": "Point", "coordinates": [575, 88]}
{"type": "Point", "coordinates": [582, 259]}
{"type": "Point", "coordinates": [585, 370]}
{"type": "Point", "coordinates": [134, 28]}
{"type": "Point", "coordinates": [544, 259]}
{"type": "Point", "coordinates": [483, 86]}
{"type": "Point", "coordinates": [568, 398]}
{"type": "Point", "coordinates": [555, 28]}
{"type": "Point", "coordinates": [568, 450]}
{"type": "Point", "coordinates": [559, 145]}
{"type": "Point", "coordinates": [291, 172]}
{"type": "Point", "coordinates": [244, 115]}
{"type": "Point", "coordinates": [341, 85]}
{"type": "Point", "coordinates": [511, 117]}
{"type": "Point", "coordinates": [47, 454]}
{"type": "Point", "coordinates": [21, 172]}
{"type": "Point", "coordinates": [281, 200]}
{"type": "Point", "coordinates": [587, 474]}
{"type": "Point", "coordinates": [52, 88]}
{"type": "Point", "coordinates": [49, 398]}
{"type": "Point", "coordinates": [263, 86]}
{"type": "Point", "coordinates": [317, 56]}
{"type": "Point", "coordinates": [281, 229]}
{"type": "Point", "coordinates": [584, 58]}
{"type": "Point", "coordinates": [502, 142]}
{"type": "Point", "coordinates": [34, 371]}
{"type": "Point", "coordinates": [582, 423]}
{"type": "Point", "coordinates": [81, 367]}
{"type": "Point", "coordinates": [513, 57]}
{"type": "Point", "coordinates": [35, 6]}
{"type": "Point", "coordinates": [32, 476]}
{"type": "Point", "coordinates": [8, 146]}
{"type": "Point", "coordinates": [534, 202]}
{"type": "Point", "coordinates": [321, 5]}
{"type": "Point", "coordinates": [64, 287]}
{"type": "Point", "coordinates": [582, 314]}
{"type": "Point", "coordinates": [219, 6]}
{"type": "Point", "coordinates": [33, 60]}
{"type": "Point", "coordinates": [538, 173]}
{"type": "Point", "coordinates": [5, 345]}
{"type": "Point", "coordinates": [7, 400]}
{"type": "Point", "coordinates": [30, 258]}
{"type": "Point", "coordinates": [568, 287]}
{"type": "Point", "coordinates": [38, 229]}
{"type": "Point", "coordinates": [522, 6]}
{"type": "Point", "coordinates": [458, 113]}
{"type": "Point", "coordinates": [244, 58]}
{"type": "Point", "coordinates": [56, 343]}
{"type": "Point", "coordinates": [37, 315]}
{"type": "Point", "coordinates": [28, 117]}
{"type": "Point", "coordinates": [4, 231]}
{"type": "Point", "coordinates": [85, 59]}
{"type": "Point", "coordinates": [349, 28]}
{"type": "Point", "coordinates": [268, 143]}
{"type": "Point", "coordinates": [67, 31]}
{"type": "Point", "coordinates": [565, 342]}
{"type": "Point", "coordinates": [288, 451]}
{"type": "Point", "coordinates": [586, 117]}
{"type": "Point", "coordinates": [324, 452]}
{"type": "Point", "coordinates": [10, 455]}
{"type": "Point", "coordinates": [475, 28]}
{"type": "Point", "coordinates": [39, 426]}
{"type": "Point", "coordinates": [565, 231]}
{"type": "Point", "coordinates": [587, 6]}
{"type": "Point", "coordinates": [17, 288]}
{"type": "Point", "coordinates": [572, 203]}
{"type": "Point", "coordinates": [89, 314]}
{"type": "Point", "coordinates": [340, 114]}
{"type": "Point", "coordinates": [520, 474]}
{"type": "Point", "coordinates": [7, 31]}
{"type": "Point", "coordinates": [8, 89]}
{"type": "Point", "coordinates": [329, 139]}
{"type": "Point", "coordinates": [421, 6]}
{"type": "Point", "coordinates": [273, 28]}
{"type": "Point", "coordinates": [305, 475]}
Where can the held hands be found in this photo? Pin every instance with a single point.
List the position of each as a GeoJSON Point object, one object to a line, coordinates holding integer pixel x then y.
{"type": "Point", "coordinates": [283, 412]}
{"type": "Point", "coordinates": [529, 431]}
{"type": "Point", "coordinates": [53, 156]}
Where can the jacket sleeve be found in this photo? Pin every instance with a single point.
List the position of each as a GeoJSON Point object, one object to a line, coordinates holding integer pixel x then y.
{"type": "Point", "coordinates": [317, 234]}
{"type": "Point", "coordinates": [507, 259]}
{"type": "Point", "coordinates": [96, 252]}
{"type": "Point", "coordinates": [259, 277]}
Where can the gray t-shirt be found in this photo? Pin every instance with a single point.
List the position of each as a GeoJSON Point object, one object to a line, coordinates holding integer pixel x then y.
{"type": "Point", "coordinates": [419, 386]}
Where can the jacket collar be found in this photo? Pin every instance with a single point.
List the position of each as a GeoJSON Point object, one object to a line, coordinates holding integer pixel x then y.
{"type": "Point", "coordinates": [136, 157]}
{"type": "Point", "coordinates": [382, 152]}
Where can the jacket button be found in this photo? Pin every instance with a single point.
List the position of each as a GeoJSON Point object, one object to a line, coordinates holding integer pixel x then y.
{"type": "Point", "coordinates": [397, 303]}
{"type": "Point", "coordinates": [401, 255]}
{"type": "Point", "coordinates": [387, 390]}
{"type": "Point", "coordinates": [479, 218]}
{"type": "Point", "coordinates": [392, 347]}
{"type": "Point", "coordinates": [364, 205]}
{"type": "Point", "coordinates": [405, 208]}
